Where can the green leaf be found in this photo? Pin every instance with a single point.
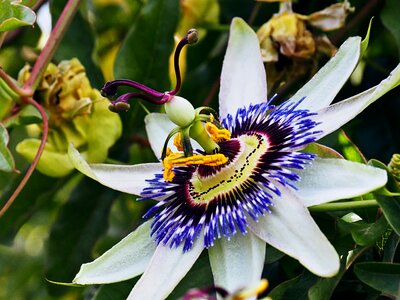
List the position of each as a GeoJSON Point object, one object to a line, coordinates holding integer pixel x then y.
{"type": "Point", "coordinates": [14, 15]}
{"type": "Point", "coordinates": [391, 209]}
{"type": "Point", "coordinates": [7, 96]}
{"type": "Point", "coordinates": [390, 205]}
{"type": "Point", "coordinates": [6, 160]}
{"type": "Point", "coordinates": [52, 162]}
{"type": "Point", "coordinates": [37, 195]}
{"type": "Point", "coordinates": [80, 223]}
{"type": "Point", "coordinates": [390, 19]}
{"type": "Point", "coordinates": [29, 3]}
{"type": "Point", "coordinates": [145, 51]}
{"type": "Point", "coordinates": [27, 115]}
{"type": "Point", "coordinates": [364, 233]}
{"type": "Point", "coordinates": [349, 149]}
{"type": "Point", "coordinates": [390, 247]}
{"type": "Point", "coordinates": [295, 288]}
{"type": "Point", "coordinates": [18, 268]}
{"type": "Point", "coordinates": [384, 277]}
{"type": "Point", "coordinates": [365, 41]}
{"type": "Point", "coordinates": [324, 287]}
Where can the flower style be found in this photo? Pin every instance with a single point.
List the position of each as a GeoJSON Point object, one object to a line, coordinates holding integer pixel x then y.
{"type": "Point", "coordinates": [262, 189]}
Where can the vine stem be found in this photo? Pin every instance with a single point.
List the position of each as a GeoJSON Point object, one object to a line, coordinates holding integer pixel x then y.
{"type": "Point", "coordinates": [348, 205]}
{"type": "Point", "coordinates": [32, 83]}
{"type": "Point", "coordinates": [49, 49]}
{"type": "Point", "coordinates": [35, 160]}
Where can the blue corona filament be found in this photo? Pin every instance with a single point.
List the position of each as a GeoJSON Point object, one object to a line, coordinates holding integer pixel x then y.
{"type": "Point", "coordinates": [263, 150]}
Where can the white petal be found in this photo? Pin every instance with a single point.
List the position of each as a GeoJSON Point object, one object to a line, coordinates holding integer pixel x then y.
{"type": "Point", "coordinates": [291, 229]}
{"type": "Point", "coordinates": [237, 263]}
{"type": "Point", "coordinates": [125, 260]}
{"type": "Point", "coordinates": [243, 79]}
{"type": "Point", "coordinates": [328, 179]}
{"type": "Point", "coordinates": [334, 116]}
{"type": "Point", "coordinates": [167, 267]}
{"type": "Point", "coordinates": [158, 126]}
{"type": "Point", "coordinates": [124, 178]}
{"type": "Point", "coordinates": [324, 86]}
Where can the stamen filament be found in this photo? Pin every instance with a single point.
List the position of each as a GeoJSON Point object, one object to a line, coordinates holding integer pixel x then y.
{"type": "Point", "coordinates": [174, 159]}
{"type": "Point", "coordinates": [178, 141]}
{"type": "Point", "coordinates": [217, 134]}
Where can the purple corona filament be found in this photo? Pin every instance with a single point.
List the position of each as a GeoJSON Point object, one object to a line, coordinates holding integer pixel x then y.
{"type": "Point", "coordinates": [263, 152]}
{"type": "Point", "coordinates": [147, 93]}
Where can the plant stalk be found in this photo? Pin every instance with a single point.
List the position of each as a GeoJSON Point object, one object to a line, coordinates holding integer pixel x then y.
{"type": "Point", "coordinates": [32, 83]}
{"type": "Point", "coordinates": [348, 205]}
{"type": "Point", "coordinates": [51, 45]}
{"type": "Point", "coordinates": [35, 161]}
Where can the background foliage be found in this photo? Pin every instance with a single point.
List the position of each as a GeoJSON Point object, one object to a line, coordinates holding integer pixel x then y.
{"type": "Point", "coordinates": [56, 224]}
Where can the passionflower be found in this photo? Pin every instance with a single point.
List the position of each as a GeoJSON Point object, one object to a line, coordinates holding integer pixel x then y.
{"type": "Point", "coordinates": [255, 192]}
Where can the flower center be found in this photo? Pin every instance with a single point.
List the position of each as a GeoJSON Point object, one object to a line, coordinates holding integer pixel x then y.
{"type": "Point", "coordinates": [262, 156]}
{"type": "Point", "coordinates": [208, 136]}
{"type": "Point", "coordinates": [204, 188]}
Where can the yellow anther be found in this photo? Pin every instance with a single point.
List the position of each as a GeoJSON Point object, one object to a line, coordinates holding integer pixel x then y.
{"type": "Point", "coordinates": [168, 173]}
{"type": "Point", "coordinates": [216, 133]}
{"type": "Point", "coordinates": [174, 159]}
{"type": "Point", "coordinates": [178, 141]}
{"type": "Point", "coordinates": [251, 292]}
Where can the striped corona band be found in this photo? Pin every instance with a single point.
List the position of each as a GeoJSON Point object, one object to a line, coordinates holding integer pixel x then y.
{"type": "Point", "coordinates": [261, 151]}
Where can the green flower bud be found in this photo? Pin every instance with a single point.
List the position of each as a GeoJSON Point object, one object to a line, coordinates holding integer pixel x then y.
{"type": "Point", "coordinates": [394, 166]}
{"type": "Point", "coordinates": [180, 111]}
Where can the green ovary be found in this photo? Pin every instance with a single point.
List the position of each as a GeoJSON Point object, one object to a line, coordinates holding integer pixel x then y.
{"type": "Point", "coordinates": [204, 189]}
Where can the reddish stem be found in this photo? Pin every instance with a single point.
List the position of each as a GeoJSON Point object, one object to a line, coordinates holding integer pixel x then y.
{"type": "Point", "coordinates": [35, 160]}
{"type": "Point", "coordinates": [32, 83]}
{"type": "Point", "coordinates": [50, 48]}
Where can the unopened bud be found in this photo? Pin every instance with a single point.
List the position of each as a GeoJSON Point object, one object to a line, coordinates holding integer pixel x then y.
{"type": "Point", "coordinates": [394, 166]}
{"type": "Point", "coordinates": [180, 111]}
